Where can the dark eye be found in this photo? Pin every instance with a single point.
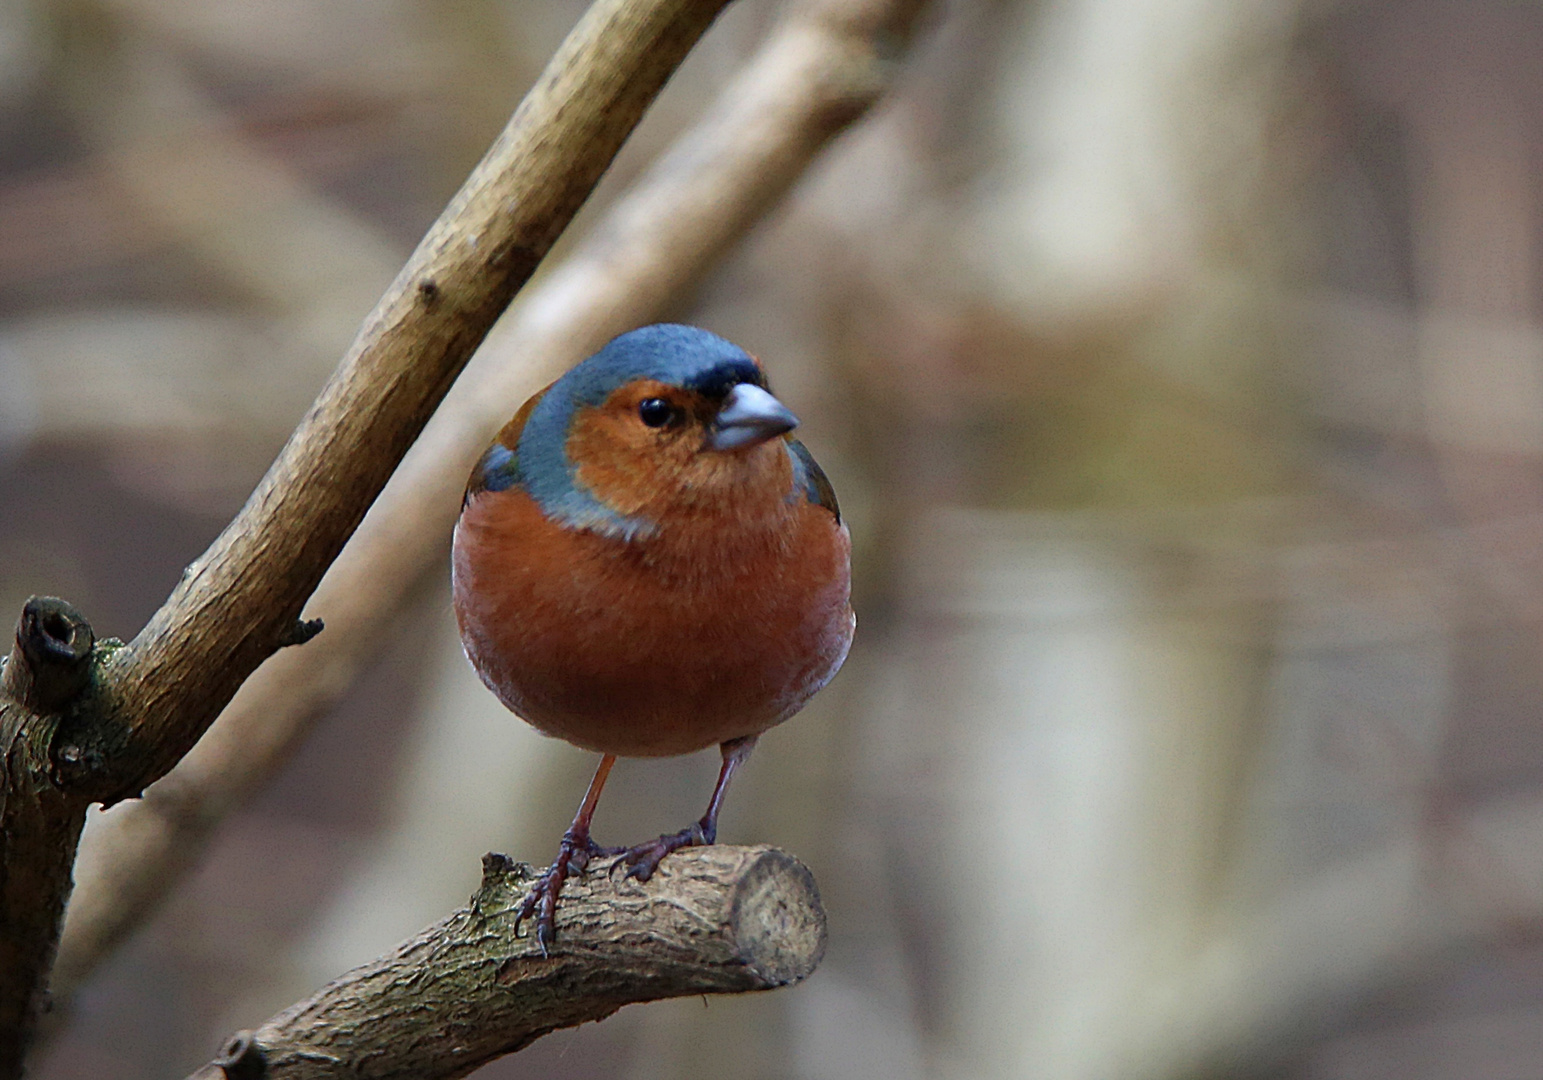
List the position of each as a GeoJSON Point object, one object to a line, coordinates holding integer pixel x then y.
{"type": "Point", "coordinates": [656, 412]}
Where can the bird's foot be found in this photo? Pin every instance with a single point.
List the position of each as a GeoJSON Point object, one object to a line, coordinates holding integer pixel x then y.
{"type": "Point", "coordinates": [643, 859]}
{"type": "Point", "coordinates": [573, 856]}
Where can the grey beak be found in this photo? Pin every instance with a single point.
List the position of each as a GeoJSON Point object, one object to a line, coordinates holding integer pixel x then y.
{"type": "Point", "coordinates": [749, 416]}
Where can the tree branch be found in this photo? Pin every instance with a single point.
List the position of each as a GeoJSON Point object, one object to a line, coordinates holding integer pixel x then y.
{"type": "Point", "coordinates": [148, 702]}
{"type": "Point", "coordinates": [51, 661]}
{"type": "Point", "coordinates": [467, 990]}
{"type": "Point", "coordinates": [39, 824]}
{"type": "Point", "coordinates": [238, 603]}
{"type": "Point", "coordinates": [821, 70]}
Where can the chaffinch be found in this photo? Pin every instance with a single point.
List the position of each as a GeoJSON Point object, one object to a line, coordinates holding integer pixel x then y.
{"type": "Point", "coordinates": [646, 564]}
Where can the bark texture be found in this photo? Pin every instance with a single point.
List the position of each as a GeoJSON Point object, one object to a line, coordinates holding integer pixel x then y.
{"type": "Point", "coordinates": [468, 990]}
{"type": "Point", "coordinates": [46, 671]}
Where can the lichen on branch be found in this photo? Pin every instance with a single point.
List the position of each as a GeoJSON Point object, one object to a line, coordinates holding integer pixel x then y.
{"type": "Point", "coordinates": [470, 988]}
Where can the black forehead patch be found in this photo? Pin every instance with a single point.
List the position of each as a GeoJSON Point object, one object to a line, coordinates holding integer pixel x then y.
{"type": "Point", "coordinates": [716, 382]}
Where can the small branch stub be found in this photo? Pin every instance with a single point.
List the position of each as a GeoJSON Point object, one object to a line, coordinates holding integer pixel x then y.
{"type": "Point", "coordinates": [242, 1058]}
{"type": "Point", "coordinates": [300, 631]}
{"type": "Point", "coordinates": [46, 673]}
{"type": "Point", "coordinates": [712, 920]}
{"type": "Point", "coordinates": [51, 661]}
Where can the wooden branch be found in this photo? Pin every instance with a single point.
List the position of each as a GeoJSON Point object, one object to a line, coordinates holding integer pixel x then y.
{"type": "Point", "coordinates": [51, 661]}
{"type": "Point", "coordinates": [239, 603]}
{"type": "Point", "coordinates": [39, 824]}
{"type": "Point", "coordinates": [821, 70]}
{"type": "Point", "coordinates": [467, 990]}
{"type": "Point", "coordinates": [149, 701]}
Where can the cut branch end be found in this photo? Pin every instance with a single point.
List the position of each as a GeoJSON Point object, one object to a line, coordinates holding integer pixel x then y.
{"type": "Point", "coordinates": [51, 662]}
{"type": "Point", "coordinates": [470, 989]}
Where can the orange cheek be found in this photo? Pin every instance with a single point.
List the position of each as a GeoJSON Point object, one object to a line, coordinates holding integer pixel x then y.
{"type": "Point", "coordinates": [626, 466]}
{"type": "Point", "coordinates": [635, 471]}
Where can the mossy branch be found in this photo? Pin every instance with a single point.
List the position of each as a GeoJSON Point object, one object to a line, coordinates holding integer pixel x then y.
{"type": "Point", "coordinates": [469, 989]}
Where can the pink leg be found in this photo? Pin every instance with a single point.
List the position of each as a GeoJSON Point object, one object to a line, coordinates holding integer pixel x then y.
{"type": "Point", "coordinates": [644, 859]}
{"type": "Point", "coordinates": [573, 855]}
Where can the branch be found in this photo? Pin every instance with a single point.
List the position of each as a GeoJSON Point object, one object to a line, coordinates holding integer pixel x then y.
{"type": "Point", "coordinates": [467, 990]}
{"type": "Point", "coordinates": [51, 661]}
{"type": "Point", "coordinates": [49, 665]}
{"type": "Point", "coordinates": [821, 70]}
{"type": "Point", "coordinates": [145, 704]}
{"type": "Point", "coordinates": [238, 604]}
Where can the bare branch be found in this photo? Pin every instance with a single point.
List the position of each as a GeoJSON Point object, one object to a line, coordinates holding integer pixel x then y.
{"type": "Point", "coordinates": [467, 990]}
{"type": "Point", "coordinates": [51, 661]}
{"type": "Point", "coordinates": [148, 702]}
{"type": "Point", "coordinates": [39, 824]}
{"type": "Point", "coordinates": [820, 70]}
{"type": "Point", "coordinates": [237, 604]}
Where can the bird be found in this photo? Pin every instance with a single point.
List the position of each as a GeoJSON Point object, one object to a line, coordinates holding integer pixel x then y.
{"type": "Point", "coordinates": [647, 564]}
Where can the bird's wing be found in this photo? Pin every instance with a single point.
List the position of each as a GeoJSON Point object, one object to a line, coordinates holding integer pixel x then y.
{"type": "Point", "coordinates": [810, 479]}
{"type": "Point", "coordinates": [499, 467]}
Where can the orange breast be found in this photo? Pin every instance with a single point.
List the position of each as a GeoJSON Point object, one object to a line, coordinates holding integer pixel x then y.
{"type": "Point", "coordinates": [711, 630]}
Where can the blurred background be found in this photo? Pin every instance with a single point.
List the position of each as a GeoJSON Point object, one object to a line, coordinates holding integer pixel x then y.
{"type": "Point", "coordinates": [1180, 368]}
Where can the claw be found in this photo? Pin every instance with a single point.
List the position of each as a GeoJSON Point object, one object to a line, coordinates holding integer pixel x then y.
{"type": "Point", "coordinates": [573, 856]}
{"type": "Point", "coordinates": [641, 861]}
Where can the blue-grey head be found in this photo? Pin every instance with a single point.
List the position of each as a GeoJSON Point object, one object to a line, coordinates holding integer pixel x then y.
{"type": "Point", "coordinates": [662, 405]}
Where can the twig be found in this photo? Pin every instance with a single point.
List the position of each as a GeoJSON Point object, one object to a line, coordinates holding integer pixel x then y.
{"type": "Point", "coordinates": [820, 71]}
{"type": "Point", "coordinates": [467, 990]}
{"type": "Point", "coordinates": [149, 701]}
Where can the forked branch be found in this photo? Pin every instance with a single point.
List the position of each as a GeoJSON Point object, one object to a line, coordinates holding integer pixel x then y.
{"type": "Point", "coordinates": [821, 69]}
{"type": "Point", "coordinates": [240, 602]}
{"type": "Point", "coordinates": [142, 706]}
